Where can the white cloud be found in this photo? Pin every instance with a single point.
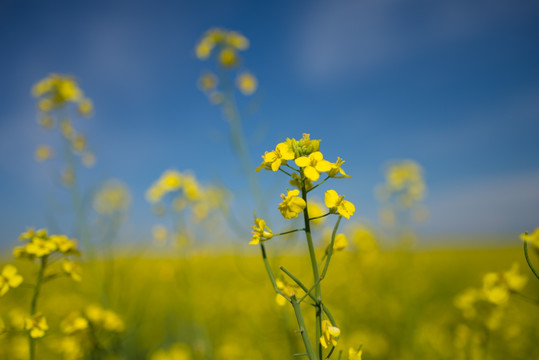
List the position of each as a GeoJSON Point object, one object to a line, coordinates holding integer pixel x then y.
{"type": "Point", "coordinates": [488, 205]}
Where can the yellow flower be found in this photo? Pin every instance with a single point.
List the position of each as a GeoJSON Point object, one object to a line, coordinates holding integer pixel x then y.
{"type": "Point", "coordinates": [72, 269]}
{"type": "Point", "coordinates": [274, 159]}
{"type": "Point", "coordinates": [204, 48]}
{"type": "Point", "coordinates": [286, 289]}
{"type": "Point", "coordinates": [73, 322]}
{"type": "Point", "coordinates": [336, 202]}
{"type": "Point", "coordinates": [296, 182]}
{"type": "Point", "coordinates": [40, 247]}
{"type": "Point", "coordinates": [112, 322]}
{"type": "Point", "coordinates": [532, 238]}
{"type": "Point", "coordinates": [247, 83]}
{"type": "Point", "coordinates": [340, 242]}
{"type": "Point", "coordinates": [9, 279]}
{"type": "Point", "coordinates": [498, 286]}
{"type": "Point", "coordinates": [260, 232]}
{"type": "Point", "coordinates": [79, 143]}
{"type": "Point", "coordinates": [336, 169]}
{"type": "Point", "coordinates": [207, 82]}
{"type": "Point", "coordinates": [291, 205]}
{"type": "Point", "coordinates": [228, 57]}
{"type": "Point", "coordinates": [86, 107]}
{"type": "Point", "coordinates": [353, 354]}
{"type": "Point", "coordinates": [64, 244]}
{"type": "Point", "coordinates": [303, 147]}
{"type": "Point", "coordinates": [112, 198]}
{"type": "Point", "coordinates": [171, 180]}
{"type": "Point", "coordinates": [29, 234]}
{"type": "Point", "coordinates": [313, 165]}
{"type": "Point", "coordinates": [36, 325]}
{"type": "Point", "coordinates": [237, 40]}
{"type": "Point", "coordinates": [330, 334]}
{"type": "Point", "coordinates": [43, 152]}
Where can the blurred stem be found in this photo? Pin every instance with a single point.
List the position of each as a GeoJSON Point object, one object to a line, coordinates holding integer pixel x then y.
{"type": "Point", "coordinates": [33, 303]}
{"type": "Point", "coordinates": [314, 265]}
{"type": "Point", "coordinates": [528, 259]}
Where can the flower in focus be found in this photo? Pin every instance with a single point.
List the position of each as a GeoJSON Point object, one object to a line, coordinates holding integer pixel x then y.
{"type": "Point", "coordinates": [291, 205]}
{"type": "Point", "coordinates": [303, 147]}
{"type": "Point", "coordinates": [9, 279]}
{"type": "Point", "coordinates": [330, 334]}
{"type": "Point", "coordinates": [36, 325]}
{"type": "Point", "coordinates": [260, 232]}
{"type": "Point", "coordinates": [274, 159]}
{"type": "Point", "coordinates": [336, 169]}
{"type": "Point", "coordinates": [313, 165]}
{"type": "Point", "coordinates": [336, 202]}
{"type": "Point", "coordinates": [43, 152]}
{"type": "Point", "coordinates": [247, 83]}
{"type": "Point", "coordinates": [532, 238]}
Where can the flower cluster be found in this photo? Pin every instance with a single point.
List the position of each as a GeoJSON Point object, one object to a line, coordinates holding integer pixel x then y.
{"type": "Point", "coordinates": [39, 244]}
{"type": "Point", "coordinates": [9, 279]}
{"type": "Point", "coordinates": [531, 238]}
{"type": "Point", "coordinates": [487, 302]}
{"type": "Point", "coordinates": [404, 181]}
{"type": "Point", "coordinates": [56, 93]}
{"type": "Point", "coordinates": [113, 198]}
{"type": "Point", "coordinates": [226, 45]}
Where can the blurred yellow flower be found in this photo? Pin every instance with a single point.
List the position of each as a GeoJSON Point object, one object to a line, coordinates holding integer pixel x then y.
{"type": "Point", "coordinates": [86, 107]}
{"type": "Point", "coordinates": [237, 40]}
{"type": "Point", "coordinates": [72, 269]}
{"type": "Point", "coordinates": [291, 205]}
{"type": "Point", "coordinates": [9, 279]}
{"type": "Point", "coordinates": [246, 83]}
{"type": "Point", "coordinates": [178, 351]}
{"type": "Point", "coordinates": [40, 247]}
{"type": "Point", "coordinates": [336, 202]}
{"type": "Point", "coordinates": [330, 334]}
{"type": "Point", "coordinates": [207, 82]}
{"type": "Point", "coordinates": [260, 232]}
{"type": "Point", "coordinates": [532, 238]}
{"type": "Point", "coordinates": [228, 57]}
{"type": "Point", "coordinates": [113, 197]}
{"type": "Point", "coordinates": [36, 325]}
{"type": "Point", "coordinates": [313, 165]}
{"type": "Point", "coordinates": [340, 242]}
{"type": "Point", "coordinates": [64, 244]}
{"type": "Point", "coordinates": [44, 152]}
{"type": "Point", "coordinates": [73, 322]}
{"type": "Point", "coordinates": [354, 354]}
{"type": "Point", "coordinates": [497, 286]}
{"type": "Point", "coordinates": [315, 209]}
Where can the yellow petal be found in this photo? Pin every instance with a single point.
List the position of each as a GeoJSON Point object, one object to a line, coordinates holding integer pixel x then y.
{"type": "Point", "coordinates": [331, 198]}
{"type": "Point", "coordinates": [302, 161]}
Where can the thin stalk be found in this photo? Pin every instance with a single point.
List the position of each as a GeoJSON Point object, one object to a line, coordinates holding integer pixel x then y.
{"type": "Point", "coordinates": [320, 183]}
{"type": "Point", "coordinates": [302, 328]}
{"type": "Point", "coordinates": [289, 232]}
{"type": "Point", "coordinates": [33, 303]}
{"type": "Point", "coordinates": [528, 259]}
{"type": "Point", "coordinates": [314, 265]}
{"type": "Point", "coordinates": [319, 217]}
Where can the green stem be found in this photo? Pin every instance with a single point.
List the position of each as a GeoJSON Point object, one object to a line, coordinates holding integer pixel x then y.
{"type": "Point", "coordinates": [314, 265]}
{"type": "Point", "coordinates": [319, 217]}
{"type": "Point", "coordinates": [320, 183]}
{"type": "Point", "coordinates": [33, 304]}
{"type": "Point", "coordinates": [289, 232]}
{"type": "Point", "coordinates": [302, 328]}
{"type": "Point", "coordinates": [528, 259]}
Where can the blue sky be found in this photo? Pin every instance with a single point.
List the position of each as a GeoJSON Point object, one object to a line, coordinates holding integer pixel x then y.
{"type": "Point", "coordinates": [453, 85]}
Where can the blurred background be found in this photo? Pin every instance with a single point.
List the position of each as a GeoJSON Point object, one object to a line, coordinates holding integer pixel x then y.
{"type": "Point", "coordinates": [451, 85]}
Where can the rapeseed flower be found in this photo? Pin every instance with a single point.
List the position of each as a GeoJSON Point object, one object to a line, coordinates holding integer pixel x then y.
{"type": "Point", "coordinates": [354, 354]}
{"type": "Point", "coordinates": [9, 279]}
{"type": "Point", "coordinates": [340, 242]}
{"type": "Point", "coordinates": [336, 169]}
{"type": "Point", "coordinates": [64, 244]}
{"type": "Point", "coordinates": [207, 82]}
{"type": "Point", "coordinates": [313, 165]}
{"type": "Point", "coordinates": [44, 152]}
{"type": "Point", "coordinates": [246, 83]}
{"type": "Point", "coordinates": [40, 247]}
{"type": "Point", "coordinates": [330, 334]}
{"type": "Point", "coordinates": [36, 325]}
{"type": "Point", "coordinates": [303, 147]}
{"type": "Point", "coordinates": [74, 322]}
{"type": "Point", "coordinates": [112, 198]}
{"type": "Point", "coordinates": [532, 238]}
{"type": "Point", "coordinates": [72, 269]}
{"type": "Point", "coordinates": [274, 159]}
{"type": "Point", "coordinates": [336, 203]}
{"type": "Point", "coordinates": [498, 286]}
{"type": "Point", "coordinates": [260, 232]}
{"type": "Point", "coordinates": [291, 205]}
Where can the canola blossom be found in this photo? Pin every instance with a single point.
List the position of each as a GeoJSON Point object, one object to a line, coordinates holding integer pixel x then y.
{"type": "Point", "coordinates": [336, 203]}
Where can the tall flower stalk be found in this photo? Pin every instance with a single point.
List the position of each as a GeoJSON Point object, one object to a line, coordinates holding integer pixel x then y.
{"type": "Point", "coordinates": [307, 168]}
